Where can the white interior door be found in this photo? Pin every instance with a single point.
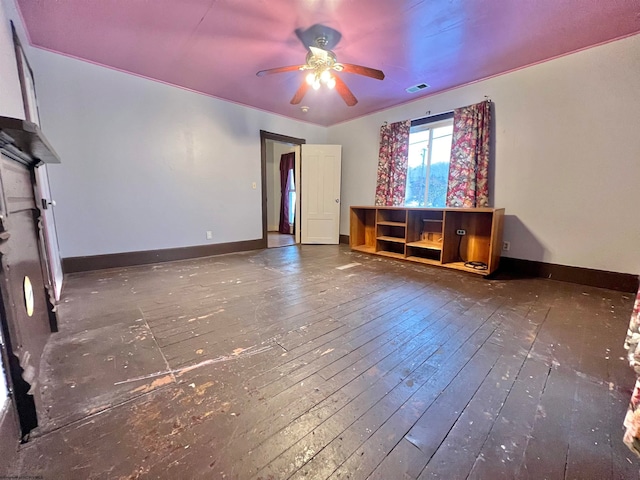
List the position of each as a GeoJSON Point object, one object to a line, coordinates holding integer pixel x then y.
{"type": "Point", "coordinates": [320, 192]}
{"type": "Point", "coordinates": [296, 176]}
{"type": "Point", "coordinates": [49, 230]}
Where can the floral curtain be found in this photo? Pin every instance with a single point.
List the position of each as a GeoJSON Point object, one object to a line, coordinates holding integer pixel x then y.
{"type": "Point", "coordinates": [632, 345]}
{"type": "Point", "coordinates": [287, 162]}
{"type": "Point", "coordinates": [392, 163]}
{"type": "Point", "coordinates": [469, 168]}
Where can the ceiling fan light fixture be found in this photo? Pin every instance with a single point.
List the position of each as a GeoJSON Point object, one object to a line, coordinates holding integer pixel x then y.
{"type": "Point", "coordinates": [331, 83]}
{"type": "Point", "coordinates": [325, 76]}
{"type": "Point", "coordinates": [316, 84]}
{"type": "Point", "coordinates": [310, 78]}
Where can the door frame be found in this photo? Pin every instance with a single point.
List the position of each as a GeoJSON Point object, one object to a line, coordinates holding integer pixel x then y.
{"type": "Point", "coordinates": [264, 136]}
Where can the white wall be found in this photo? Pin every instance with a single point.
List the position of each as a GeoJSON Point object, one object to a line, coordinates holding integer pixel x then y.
{"type": "Point", "coordinates": [149, 166]}
{"type": "Point", "coordinates": [567, 155]}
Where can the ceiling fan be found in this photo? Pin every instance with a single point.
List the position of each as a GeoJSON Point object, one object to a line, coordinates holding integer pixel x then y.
{"type": "Point", "coordinates": [321, 65]}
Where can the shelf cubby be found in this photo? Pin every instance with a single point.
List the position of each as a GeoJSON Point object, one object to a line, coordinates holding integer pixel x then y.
{"type": "Point", "coordinates": [425, 255]}
{"type": "Point", "coordinates": [390, 247]}
{"type": "Point", "coordinates": [362, 230]}
{"type": "Point", "coordinates": [475, 245]}
{"type": "Point", "coordinates": [392, 231]}
{"type": "Point", "coordinates": [425, 228]}
{"type": "Point", "coordinates": [391, 215]}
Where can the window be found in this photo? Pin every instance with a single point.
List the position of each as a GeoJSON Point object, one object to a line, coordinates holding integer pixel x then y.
{"type": "Point", "coordinates": [429, 154]}
{"type": "Point", "coordinates": [292, 198]}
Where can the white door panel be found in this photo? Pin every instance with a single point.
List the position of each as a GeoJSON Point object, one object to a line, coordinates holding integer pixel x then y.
{"type": "Point", "coordinates": [296, 176]}
{"type": "Point", "coordinates": [50, 234]}
{"type": "Point", "coordinates": [320, 203]}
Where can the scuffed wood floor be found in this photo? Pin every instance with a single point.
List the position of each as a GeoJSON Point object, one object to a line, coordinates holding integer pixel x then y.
{"type": "Point", "coordinates": [317, 362]}
{"type": "Point", "coordinates": [276, 239]}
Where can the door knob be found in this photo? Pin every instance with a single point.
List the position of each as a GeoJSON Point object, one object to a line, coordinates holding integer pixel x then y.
{"type": "Point", "coordinates": [337, 200]}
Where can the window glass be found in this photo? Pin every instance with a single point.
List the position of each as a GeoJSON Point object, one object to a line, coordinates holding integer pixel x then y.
{"type": "Point", "coordinates": [292, 198]}
{"type": "Point", "coordinates": [428, 170]}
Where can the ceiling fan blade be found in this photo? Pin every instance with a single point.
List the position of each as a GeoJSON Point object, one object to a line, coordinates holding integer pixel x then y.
{"type": "Point", "coordinates": [308, 37]}
{"type": "Point", "coordinates": [360, 70]}
{"type": "Point", "coordinates": [291, 68]}
{"type": "Point", "coordinates": [346, 94]}
{"type": "Point", "coordinates": [299, 95]}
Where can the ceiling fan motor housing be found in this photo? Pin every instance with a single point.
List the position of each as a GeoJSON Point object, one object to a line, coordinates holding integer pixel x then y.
{"type": "Point", "coordinates": [322, 61]}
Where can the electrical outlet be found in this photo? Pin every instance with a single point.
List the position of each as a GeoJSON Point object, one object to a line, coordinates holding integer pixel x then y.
{"type": "Point", "coordinates": [461, 232]}
{"type": "Point", "coordinates": [209, 235]}
{"type": "Point", "coordinates": [506, 246]}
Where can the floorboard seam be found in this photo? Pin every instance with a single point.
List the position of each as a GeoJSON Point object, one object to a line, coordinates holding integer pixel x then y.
{"type": "Point", "coordinates": [155, 340]}
{"type": "Point", "coordinates": [546, 379]}
{"type": "Point", "coordinates": [461, 412]}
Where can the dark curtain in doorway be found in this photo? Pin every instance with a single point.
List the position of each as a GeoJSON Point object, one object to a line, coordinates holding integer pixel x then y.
{"type": "Point", "coordinates": [287, 162]}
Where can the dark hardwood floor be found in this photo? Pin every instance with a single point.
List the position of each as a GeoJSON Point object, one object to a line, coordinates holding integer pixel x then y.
{"type": "Point", "coordinates": [317, 362]}
{"type": "Point", "coordinates": [276, 239]}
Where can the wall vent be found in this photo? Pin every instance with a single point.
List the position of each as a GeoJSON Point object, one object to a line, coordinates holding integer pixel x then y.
{"type": "Point", "coordinates": [417, 88]}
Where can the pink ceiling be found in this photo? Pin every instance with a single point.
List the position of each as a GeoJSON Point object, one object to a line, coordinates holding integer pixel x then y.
{"type": "Point", "coordinates": [216, 46]}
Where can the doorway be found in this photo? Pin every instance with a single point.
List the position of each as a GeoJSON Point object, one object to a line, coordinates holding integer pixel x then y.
{"type": "Point", "coordinates": [280, 180]}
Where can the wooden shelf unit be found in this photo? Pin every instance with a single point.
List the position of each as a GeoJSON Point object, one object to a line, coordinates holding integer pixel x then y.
{"type": "Point", "coordinates": [391, 232]}
{"type": "Point", "coordinates": [429, 235]}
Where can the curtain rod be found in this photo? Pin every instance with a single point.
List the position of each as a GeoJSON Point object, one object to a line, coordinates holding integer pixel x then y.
{"type": "Point", "coordinates": [428, 112]}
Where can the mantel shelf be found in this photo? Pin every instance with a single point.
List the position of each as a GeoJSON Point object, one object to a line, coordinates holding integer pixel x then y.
{"type": "Point", "coordinates": [27, 138]}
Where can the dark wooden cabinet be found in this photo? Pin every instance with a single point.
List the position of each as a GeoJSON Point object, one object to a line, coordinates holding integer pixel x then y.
{"type": "Point", "coordinates": [27, 311]}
